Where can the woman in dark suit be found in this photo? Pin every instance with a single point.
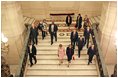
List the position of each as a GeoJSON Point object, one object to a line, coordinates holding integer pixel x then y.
{"type": "Point", "coordinates": [91, 52]}
{"type": "Point", "coordinates": [69, 53]}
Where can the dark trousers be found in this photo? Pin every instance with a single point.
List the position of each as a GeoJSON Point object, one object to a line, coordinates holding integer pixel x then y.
{"type": "Point", "coordinates": [73, 43]}
{"type": "Point", "coordinates": [43, 34]}
{"type": "Point", "coordinates": [79, 51]}
{"type": "Point", "coordinates": [79, 26]}
{"type": "Point", "coordinates": [31, 57]}
{"type": "Point", "coordinates": [35, 40]}
{"type": "Point", "coordinates": [87, 41]}
{"type": "Point", "coordinates": [68, 24]}
{"type": "Point", "coordinates": [52, 36]}
{"type": "Point", "coordinates": [90, 59]}
{"type": "Point", "coordinates": [85, 26]}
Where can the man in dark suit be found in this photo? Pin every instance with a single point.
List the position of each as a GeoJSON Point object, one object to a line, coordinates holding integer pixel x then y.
{"type": "Point", "coordinates": [91, 52]}
{"type": "Point", "coordinates": [33, 34]}
{"type": "Point", "coordinates": [41, 28]}
{"type": "Point", "coordinates": [74, 37]}
{"type": "Point", "coordinates": [68, 20]}
{"type": "Point", "coordinates": [79, 21]}
{"type": "Point", "coordinates": [87, 33]}
{"type": "Point", "coordinates": [32, 53]}
{"type": "Point", "coordinates": [80, 45]}
{"type": "Point", "coordinates": [53, 31]}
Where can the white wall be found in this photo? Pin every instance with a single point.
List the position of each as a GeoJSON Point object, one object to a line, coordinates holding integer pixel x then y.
{"type": "Point", "coordinates": [42, 9]}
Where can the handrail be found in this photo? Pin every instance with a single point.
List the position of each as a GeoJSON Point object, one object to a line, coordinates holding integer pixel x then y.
{"type": "Point", "coordinates": [24, 56]}
{"type": "Point", "coordinates": [101, 63]}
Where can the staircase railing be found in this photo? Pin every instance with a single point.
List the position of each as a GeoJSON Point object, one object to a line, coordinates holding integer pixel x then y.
{"type": "Point", "coordinates": [24, 56]}
{"type": "Point", "coordinates": [99, 55]}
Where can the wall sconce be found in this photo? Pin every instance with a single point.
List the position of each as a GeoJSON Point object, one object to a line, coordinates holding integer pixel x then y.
{"type": "Point", "coordinates": [5, 68]}
{"type": "Point", "coordinates": [4, 46]}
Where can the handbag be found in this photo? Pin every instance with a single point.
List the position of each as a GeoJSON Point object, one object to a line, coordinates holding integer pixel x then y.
{"type": "Point", "coordinates": [73, 57]}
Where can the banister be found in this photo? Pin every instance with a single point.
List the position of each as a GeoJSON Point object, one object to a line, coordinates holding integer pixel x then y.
{"type": "Point", "coordinates": [100, 59]}
{"type": "Point", "coordinates": [24, 56]}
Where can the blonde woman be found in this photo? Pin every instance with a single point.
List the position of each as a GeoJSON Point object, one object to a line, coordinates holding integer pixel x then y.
{"type": "Point", "coordinates": [61, 53]}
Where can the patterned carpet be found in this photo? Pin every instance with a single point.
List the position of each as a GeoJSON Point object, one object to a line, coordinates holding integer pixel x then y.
{"type": "Point", "coordinates": [72, 27]}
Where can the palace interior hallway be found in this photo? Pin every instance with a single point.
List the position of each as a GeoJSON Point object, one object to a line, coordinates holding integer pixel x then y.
{"type": "Point", "coordinates": [16, 14]}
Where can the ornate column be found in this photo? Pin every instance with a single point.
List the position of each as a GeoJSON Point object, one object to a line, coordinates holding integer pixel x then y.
{"type": "Point", "coordinates": [14, 29]}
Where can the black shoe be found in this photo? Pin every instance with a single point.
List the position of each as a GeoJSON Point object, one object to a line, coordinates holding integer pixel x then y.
{"type": "Point", "coordinates": [31, 65]}
{"type": "Point", "coordinates": [35, 62]}
{"type": "Point", "coordinates": [88, 63]}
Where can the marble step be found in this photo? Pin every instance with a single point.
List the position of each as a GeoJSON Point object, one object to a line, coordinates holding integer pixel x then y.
{"type": "Point", "coordinates": [48, 44]}
{"type": "Point", "coordinates": [56, 61]}
{"type": "Point", "coordinates": [60, 22]}
{"type": "Point", "coordinates": [58, 41]}
{"type": "Point", "coordinates": [53, 57]}
{"type": "Point", "coordinates": [62, 73]}
{"type": "Point", "coordinates": [83, 52]}
{"type": "Point", "coordinates": [97, 19]}
{"type": "Point", "coordinates": [62, 67]}
{"type": "Point", "coordinates": [59, 36]}
{"type": "Point", "coordinates": [48, 39]}
{"type": "Point", "coordinates": [31, 20]}
{"type": "Point", "coordinates": [65, 41]}
{"type": "Point", "coordinates": [40, 44]}
{"type": "Point", "coordinates": [53, 49]}
{"type": "Point", "coordinates": [66, 27]}
{"type": "Point", "coordinates": [93, 20]}
{"type": "Point", "coordinates": [24, 18]}
{"type": "Point", "coordinates": [62, 33]}
{"type": "Point", "coordinates": [26, 21]}
{"type": "Point", "coordinates": [90, 20]}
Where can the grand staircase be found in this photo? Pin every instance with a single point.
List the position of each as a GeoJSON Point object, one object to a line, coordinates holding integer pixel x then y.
{"type": "Point", "coordinates": [48, 63]}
